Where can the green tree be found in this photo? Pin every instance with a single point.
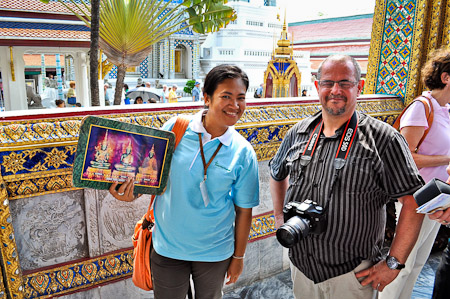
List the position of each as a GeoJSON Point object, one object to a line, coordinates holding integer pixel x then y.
{"type": "Point", "coordinates": [190, 84]}
{"type": "Point", "coordinates": [129, 28]}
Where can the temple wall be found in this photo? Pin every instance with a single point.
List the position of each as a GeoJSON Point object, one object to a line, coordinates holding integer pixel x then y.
{"type": "Point", "coordinates": [62, 240]}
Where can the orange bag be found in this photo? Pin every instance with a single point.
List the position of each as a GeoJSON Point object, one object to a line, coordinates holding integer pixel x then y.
{"type": "Point", "coordinates": [142, 238]}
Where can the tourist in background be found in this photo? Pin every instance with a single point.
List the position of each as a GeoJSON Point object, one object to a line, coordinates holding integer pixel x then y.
{"type": "Point", "coordinates": [125, 99]}
{"type": "Point", "coordinates": [138, 100]}
{"type": "Point", "coordinates": [107, 98]}
{"type": "Point", "coordinates": [432, 158]}
{"type": "Point", "coordinates": [259, 91]}
{"type": "Point", "coordinates": [60, 104]}
{"type": "Point", "coordinates": [71, 97]}
{"type": "Point", "coordinates": [164, 94]}
{"type": "Point", "coordinates": [196, 91]}
{"type": "Point", "coordinates": [173, 98]}
{"type": "Point", "coordinates": [203, 231]}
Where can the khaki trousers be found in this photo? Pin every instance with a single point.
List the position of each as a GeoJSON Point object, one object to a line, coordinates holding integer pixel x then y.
{"type": "Point", "coordinates": [343, 286]}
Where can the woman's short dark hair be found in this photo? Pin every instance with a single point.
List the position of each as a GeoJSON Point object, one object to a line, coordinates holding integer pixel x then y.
{"type": "Point", "coordinates": [438, 63]}
{"type": "Point", "coordinates": [219, 74]}
{"type": "Point", "coordinates": [135, 100]}
{"type": "Point", "coordinates": [59, 102]}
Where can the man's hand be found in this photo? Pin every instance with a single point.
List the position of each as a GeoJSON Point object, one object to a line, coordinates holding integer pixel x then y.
{"type": "Point", "coordinates": [443, 217]}
{"type": "Point", "coordinates": [378, 276]}
{"type": "Point", "coordinates": [234, 270]}
{"type": "Point", "coordinates": [279, 221]}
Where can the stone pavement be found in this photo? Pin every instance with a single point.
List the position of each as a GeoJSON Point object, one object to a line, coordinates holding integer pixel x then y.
{"type": "Point", "coordinates": [280, 285]}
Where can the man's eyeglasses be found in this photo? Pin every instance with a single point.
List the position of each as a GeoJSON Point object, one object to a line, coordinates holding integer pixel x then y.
{"type": "Point", "coordinates": [344, 84]}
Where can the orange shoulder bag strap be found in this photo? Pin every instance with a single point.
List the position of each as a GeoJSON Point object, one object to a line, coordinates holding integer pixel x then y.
{"type": "Point", "coordinates": [179, 128]}
{"type": "Point", "coordinates": [429, 113]}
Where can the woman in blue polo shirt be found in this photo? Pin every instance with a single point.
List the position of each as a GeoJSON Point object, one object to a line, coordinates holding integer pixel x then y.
{"type": "Point", "coordinates": [203, 219]}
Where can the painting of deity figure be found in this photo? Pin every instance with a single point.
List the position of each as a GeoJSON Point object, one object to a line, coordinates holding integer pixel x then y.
{"type": "Point", "coordinates": [112, 151]}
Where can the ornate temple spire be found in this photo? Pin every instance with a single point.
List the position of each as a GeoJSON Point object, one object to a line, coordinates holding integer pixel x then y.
{"type": "Point", "coordinates": [284, 44]}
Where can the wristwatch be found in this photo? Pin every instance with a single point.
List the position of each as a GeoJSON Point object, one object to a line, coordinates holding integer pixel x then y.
{"type": "Point", "coordinates": [393, 263]}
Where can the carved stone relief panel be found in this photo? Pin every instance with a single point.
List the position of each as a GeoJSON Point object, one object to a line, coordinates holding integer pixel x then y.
{"type": "Point", "coordinates": [265, 200]}
{"type": "Point", "coordinates": [110, 221]}
{"type": "Point", "coordinates": [50, 229]}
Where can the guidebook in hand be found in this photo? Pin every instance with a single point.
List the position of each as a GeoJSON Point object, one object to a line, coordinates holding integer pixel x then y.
{"type": "Point", "coordinates": [434, 196]}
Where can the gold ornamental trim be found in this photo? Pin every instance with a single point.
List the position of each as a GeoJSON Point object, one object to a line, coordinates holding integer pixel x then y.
{"type": "Point", "coordinates": [376, 42]}
{"type": "Point", "coordinates": [12, 284]}
{"type": "Point", "coordinates": [445, 38]}
{"type": "Point", "coordinates": [417, 50]}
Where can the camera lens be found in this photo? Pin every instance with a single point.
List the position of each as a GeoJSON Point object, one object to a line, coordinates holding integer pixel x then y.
{"type": "Point", "coordinates": [293, 231]}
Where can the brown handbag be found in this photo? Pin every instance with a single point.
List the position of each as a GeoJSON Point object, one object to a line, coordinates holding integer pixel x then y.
{"type": "Point", "coordinates": [142, 238]}
{"type": "Point", "coordinates": [429, 113]}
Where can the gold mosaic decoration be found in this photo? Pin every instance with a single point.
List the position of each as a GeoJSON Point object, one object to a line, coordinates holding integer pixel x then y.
{"type": "Point", "coordinates": [263, 226]}
{"type": "Point", "coordinates": [375, 47]}
{"type": "Point", "coordinates": [446, 27]}
{"type": "Point", "coordinates": [10, 258]}
{"type": "Point", "coordinates": [418, 51]}
{"type": "Point", "coordinates": [92, 272]}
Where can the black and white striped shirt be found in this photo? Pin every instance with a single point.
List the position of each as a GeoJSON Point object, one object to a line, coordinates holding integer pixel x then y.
{"type": "Point", "coordinates": [379, 168]}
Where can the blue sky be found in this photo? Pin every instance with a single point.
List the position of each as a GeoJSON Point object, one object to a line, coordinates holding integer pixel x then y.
{"type": "Point", "coordinates": [302, 10]}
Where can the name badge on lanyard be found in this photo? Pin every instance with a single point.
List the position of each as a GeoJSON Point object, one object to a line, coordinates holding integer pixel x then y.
{"type": "Point", "coordinates": [203, 188]}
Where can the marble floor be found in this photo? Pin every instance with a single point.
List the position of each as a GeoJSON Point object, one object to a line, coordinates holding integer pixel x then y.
{"type": "Point", "coordinates": [280, 285]}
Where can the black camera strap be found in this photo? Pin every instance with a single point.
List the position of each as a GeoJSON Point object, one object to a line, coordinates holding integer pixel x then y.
{"type": "Point", "coordinates": [342, 151]}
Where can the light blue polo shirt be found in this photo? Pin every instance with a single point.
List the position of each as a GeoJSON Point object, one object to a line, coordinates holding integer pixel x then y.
{"type": "Point", "coordinates": [187, 230]}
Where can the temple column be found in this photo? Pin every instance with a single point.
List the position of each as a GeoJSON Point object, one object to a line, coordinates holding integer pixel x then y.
{"type": "Point", "coordinates": [14, 91]}
{"type": "Point", "coordinates": [403, 35]}
{"type": "Point", "coordinates": [150, 64]}
{"type": "Point", "coordinates": [155, 58]}
{"type": "Point", "coordinates": [166, 59]}
{"type": "Point", "coordinates": [171, 58]}
{"type": "Point", "coordinates": [195, 60]}
{"type": "Point", "coordinates": [81, 79]}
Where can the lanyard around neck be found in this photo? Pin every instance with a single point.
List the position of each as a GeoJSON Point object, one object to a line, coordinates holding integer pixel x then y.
{"type": "Point", "coordinates": [206, 165]}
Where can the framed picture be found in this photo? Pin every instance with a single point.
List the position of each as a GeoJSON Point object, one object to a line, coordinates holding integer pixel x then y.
{"type": "Point", "coordinates": [112, 151]}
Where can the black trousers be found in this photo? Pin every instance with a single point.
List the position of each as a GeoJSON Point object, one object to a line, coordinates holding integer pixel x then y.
{"type": "Point", "coordinates": [442, 281]}
{"type": "Point", "coordinates": [171, 277]}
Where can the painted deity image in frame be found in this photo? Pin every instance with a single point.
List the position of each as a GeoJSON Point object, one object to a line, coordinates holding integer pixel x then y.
{"type": "Point", "coordinates": [112, 151]}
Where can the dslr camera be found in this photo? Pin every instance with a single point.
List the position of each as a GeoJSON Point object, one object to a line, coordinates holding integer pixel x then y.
{"type": "Point", "coordinates": [301, 219]}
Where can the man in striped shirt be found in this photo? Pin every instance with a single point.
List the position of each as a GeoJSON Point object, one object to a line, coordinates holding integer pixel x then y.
{"type": "Point", "coordinates": [344, 261]}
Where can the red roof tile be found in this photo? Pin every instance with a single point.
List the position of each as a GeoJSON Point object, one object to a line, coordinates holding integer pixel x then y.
{"type": "Point", "coordinates": [35, 6]}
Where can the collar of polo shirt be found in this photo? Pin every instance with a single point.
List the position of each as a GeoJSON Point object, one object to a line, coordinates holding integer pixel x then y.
{"type": "Point", "coordinates": [197, 126]}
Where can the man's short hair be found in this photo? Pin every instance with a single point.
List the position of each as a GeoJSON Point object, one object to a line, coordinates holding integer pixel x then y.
{"type": "Point", "coordinates": [341, 58]}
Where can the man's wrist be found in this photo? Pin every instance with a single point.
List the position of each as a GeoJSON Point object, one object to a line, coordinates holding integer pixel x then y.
{"type": "Point", "coordinates": [393, 263]}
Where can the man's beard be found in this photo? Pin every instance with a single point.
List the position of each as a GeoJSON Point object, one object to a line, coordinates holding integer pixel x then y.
{"type": "Point", "coordinates": [331, 111]}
